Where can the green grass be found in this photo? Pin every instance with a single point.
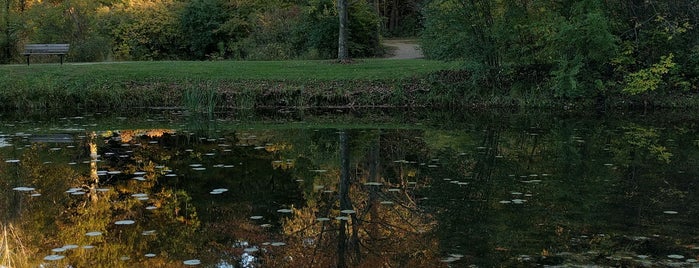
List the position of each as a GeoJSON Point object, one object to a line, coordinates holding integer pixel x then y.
{"type": "Point", "coordinates": [367, 70]}
{"type": "Point", "coordinates": [228, 84]}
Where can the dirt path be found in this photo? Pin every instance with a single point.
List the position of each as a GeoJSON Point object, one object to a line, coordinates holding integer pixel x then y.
{"type": "Point", "coordinates": [403, 49]}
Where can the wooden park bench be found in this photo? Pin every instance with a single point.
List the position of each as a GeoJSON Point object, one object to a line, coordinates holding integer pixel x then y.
{"type": "Point", "coordinates": [46, 49]}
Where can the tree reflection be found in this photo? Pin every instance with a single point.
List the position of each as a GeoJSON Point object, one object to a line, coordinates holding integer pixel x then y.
{"type": "Point", "coordinates": [58, 221]}
{"type": "Point", "coordinates": [490, 194]}
{"type": "Point", "coordinates": [371, 221]}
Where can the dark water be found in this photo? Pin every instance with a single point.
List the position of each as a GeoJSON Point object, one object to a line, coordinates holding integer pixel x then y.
{"type": "Point", "coordinates": [364, 190]}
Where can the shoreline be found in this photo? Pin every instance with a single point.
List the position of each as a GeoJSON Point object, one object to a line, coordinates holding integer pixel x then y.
{"type": "Point", "coordinates": [220, 86]}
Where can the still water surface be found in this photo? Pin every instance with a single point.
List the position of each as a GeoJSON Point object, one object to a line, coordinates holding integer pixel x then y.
{"type": "Point", "coordinates": [401, 190]}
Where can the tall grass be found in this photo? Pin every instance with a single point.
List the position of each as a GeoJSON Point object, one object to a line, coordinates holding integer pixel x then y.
{"type": "Point", "coordinates": [200, 97]}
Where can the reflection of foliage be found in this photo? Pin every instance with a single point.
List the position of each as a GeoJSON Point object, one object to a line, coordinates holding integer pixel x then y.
{"type": "Point", "coordinates": [643, 144]}
{"type": "Point", "coordinates": [394, 232]}
{"type": "Point", "coordinates": [420, 196]}
{"type": "Point", "coordinates": [56, 218]}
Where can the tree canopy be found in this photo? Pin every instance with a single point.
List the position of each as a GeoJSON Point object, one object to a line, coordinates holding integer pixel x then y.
{"type": "Point", "coordinates": [189, 29]}
{"type": "Point", "coordinates": [580, 47]}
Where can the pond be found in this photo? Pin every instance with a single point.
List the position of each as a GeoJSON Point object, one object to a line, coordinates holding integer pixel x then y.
{"type": "Point", "coordinates": [350, 189]}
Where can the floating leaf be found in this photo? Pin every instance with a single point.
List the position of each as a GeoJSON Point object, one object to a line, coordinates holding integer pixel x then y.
{"type": "Point", "coordinates": [53, 257]}
{"type": "Point", "coordinates": [124, 222]}
{"type": "Point", "coordinates": [70, 246]}
{"type": "Point", "coordinates": [23, 189]}
{"type": "Point", "coordinates": [251, 250]}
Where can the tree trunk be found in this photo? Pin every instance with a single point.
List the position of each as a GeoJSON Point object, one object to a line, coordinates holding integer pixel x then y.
{"type": "Point", "coordinates": [345, 203]}
{"type": "Point", "coordinates": [8, 50]}
{"type": "Point", "coordinates": [342, 51]}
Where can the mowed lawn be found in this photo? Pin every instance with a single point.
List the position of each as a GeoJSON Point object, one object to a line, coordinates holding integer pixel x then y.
{"type": "Point", "coordinates": [363, 70]}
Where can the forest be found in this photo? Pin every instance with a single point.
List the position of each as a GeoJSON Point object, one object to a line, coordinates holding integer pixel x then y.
{"type": "Point", "coordinates": [201, 29]}
{"type": "Point", "coordinates": [565, 48]}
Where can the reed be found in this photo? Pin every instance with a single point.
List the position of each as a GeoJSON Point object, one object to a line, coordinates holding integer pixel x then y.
{"type": "Point", "coordinates": [200, 97]}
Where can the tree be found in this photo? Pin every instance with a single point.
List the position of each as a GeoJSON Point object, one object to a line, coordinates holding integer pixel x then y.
{"type": "Point", "coordinates": [7, 43]}
{"type": "Point", "coordinates": [342, 52]}
{"type": "Point", "coordinates": [201, 22]}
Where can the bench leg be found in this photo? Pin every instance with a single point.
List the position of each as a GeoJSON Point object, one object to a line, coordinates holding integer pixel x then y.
{"type": "Point", "coordinates": [61, 59]}
{"type": "Point", "coordinates": [27, 60]}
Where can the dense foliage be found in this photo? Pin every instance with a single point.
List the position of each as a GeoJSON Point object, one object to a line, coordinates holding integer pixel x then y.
{"type": "Point", "coordinates": [189, 29]}
{"type": "Point", "coordinates": [574, 48]}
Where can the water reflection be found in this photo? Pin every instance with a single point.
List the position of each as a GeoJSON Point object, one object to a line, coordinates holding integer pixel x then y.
{"type": "Point", "coordinates": [488, 191]}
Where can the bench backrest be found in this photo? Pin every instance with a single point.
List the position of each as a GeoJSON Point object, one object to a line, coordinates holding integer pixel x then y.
{"type": "Point", "coordinates": [46, 48]}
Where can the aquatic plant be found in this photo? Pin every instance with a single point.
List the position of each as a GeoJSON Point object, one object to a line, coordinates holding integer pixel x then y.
{"type": "Point", "coordinates": [12, 251]}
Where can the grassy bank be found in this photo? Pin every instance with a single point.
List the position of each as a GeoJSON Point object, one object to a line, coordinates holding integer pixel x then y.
{"type": "Point", "coordinates": [174, 71]}
{"type": "Point", "coordinates": [215, 86]}
{"type": "Point", "coordinates": [223, 84]}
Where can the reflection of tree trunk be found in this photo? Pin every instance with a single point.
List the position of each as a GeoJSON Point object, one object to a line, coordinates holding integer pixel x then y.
{"type": "Point", "coordinates": [14, 208]}
{"type": "Point", "coordinates": [345, 202]}
{"type": "Point", "coordinates": [373, 195]}
{"type": "Point", "coordinates": [483, 170]}
{"type": "Point", "coordinates": [94, 179]}
{"type": "Point", "coordinates": [344, 199]}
